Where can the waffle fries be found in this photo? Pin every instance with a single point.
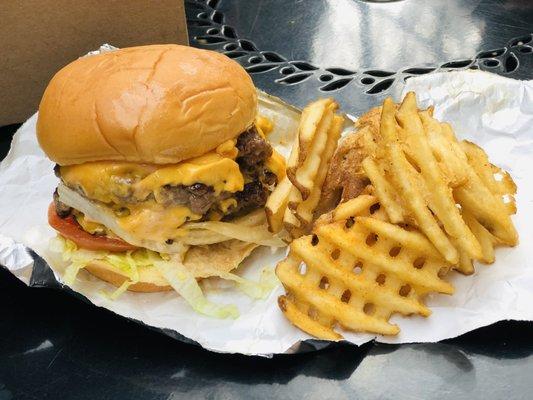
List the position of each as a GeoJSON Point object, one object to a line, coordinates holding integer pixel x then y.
{"type": "Point", "coordinates": [292, 204]}
{"type": "Point", "coordinates": [424, 176]}
{"type": "Point", "coordinates": [356, 272]}
{"type": "Point", "coordinates": [431, 203]}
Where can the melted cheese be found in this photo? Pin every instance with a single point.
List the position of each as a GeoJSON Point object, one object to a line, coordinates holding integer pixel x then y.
{"type": "Point", "coordinates": [112, 182]}
{"type": "Point", "coordinates": [222, 173]}
{"type": "Point", "coordinates": [121, 184]}
{"type": "Point", "coordinates": [213, 216]}
{"type": "Point", "coordinates": [276, 164]}
{"type": "Point", "coordinates": [264, 125]}
{"type": "Point", "coordinates": [106, 181]}
{"type": "Point", "coordinates": [90, 226]}
{"type": "Point", "coordinates": [228, 149]}
{"type": "Point", "coordinates": [227, 204]}
{"type": "Point", "coordinates": [154, 221]}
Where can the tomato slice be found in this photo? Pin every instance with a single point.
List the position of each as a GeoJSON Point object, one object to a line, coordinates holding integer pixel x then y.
{"type": "Point", "coordinates": [70, 229]}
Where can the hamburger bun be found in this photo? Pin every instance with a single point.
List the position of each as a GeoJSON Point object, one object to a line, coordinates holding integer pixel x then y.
{"type": "Point", "coordinates": [150, 279]}
{"type": "Point", "coordinates": [201, 261]}
{"type": "Point", "coordinates": [156, 104]}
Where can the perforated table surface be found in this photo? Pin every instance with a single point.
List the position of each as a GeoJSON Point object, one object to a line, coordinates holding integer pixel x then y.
{"type": "Point", "coordinates": [56, 346]}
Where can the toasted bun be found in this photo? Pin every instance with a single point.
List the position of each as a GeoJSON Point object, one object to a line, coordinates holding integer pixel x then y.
{"type": "Point", "coordinates": [201, 261]}
{"type": "Point", "coordinates": [153, 104]}
{"type": "Point", "coordinates": [150, 280]}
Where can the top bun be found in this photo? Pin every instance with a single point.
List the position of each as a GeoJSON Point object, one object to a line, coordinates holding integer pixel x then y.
{"type": "Point", "coordinates": [149, 104]}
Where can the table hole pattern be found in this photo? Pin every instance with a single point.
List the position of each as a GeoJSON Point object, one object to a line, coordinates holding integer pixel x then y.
{"type": "Point", "coordinates": [209, 30]}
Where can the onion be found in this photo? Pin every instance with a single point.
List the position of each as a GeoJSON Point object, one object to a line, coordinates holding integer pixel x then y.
{"type": "Point", "coordinates": [195, 233]}
{"type": "Point", "coordinates": [103, 215]}
{"type": "Point", "coordinates": [251, 234]}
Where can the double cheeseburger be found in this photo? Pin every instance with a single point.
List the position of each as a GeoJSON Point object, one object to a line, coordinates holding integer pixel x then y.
{"type": "Point", "coordinates": [151, 141]}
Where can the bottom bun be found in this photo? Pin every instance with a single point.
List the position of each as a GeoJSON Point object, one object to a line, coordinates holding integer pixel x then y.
{"type": "Point", "coordinates": [150, 279]}
{"type": "Point", "coordinates": [201, 261]}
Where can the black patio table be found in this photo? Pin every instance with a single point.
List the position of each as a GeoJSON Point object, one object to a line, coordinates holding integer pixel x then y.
{"type": "Point", "coordinates": [55, 346]}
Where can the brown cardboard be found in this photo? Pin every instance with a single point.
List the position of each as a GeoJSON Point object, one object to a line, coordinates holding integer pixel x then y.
{"type": "Point", "coordinates": [38, 37]}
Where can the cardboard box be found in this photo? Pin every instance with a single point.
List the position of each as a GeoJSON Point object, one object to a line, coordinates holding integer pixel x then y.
{"type": "Point", "coordinates": [38, 37]}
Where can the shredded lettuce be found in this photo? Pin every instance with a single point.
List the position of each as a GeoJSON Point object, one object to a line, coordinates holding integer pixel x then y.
{"type": "Point", "coordinates": [79, 258]}
{"type": "Point", "coordinates": [172, 269]}
{"type": "Point", "coordinates": [72, 272]}
{"type": "Point", "coordinates": [117, 292]}
{"type": "Point", "coordinates": [255, 290]}
{"type": "Point", "coordinates": [183, 282]}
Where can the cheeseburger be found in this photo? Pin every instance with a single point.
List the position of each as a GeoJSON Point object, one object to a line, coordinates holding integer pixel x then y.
{"type": "Point", "coordinates": [160, 151]}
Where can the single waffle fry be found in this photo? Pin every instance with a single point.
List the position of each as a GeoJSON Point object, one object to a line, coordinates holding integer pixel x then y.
{"type": "Point", "coordinates": [277, 204]}
{"type": "Point", "coordinates": [484, 237]}
{"type": "Point", "coordinates": [444, 150]}
{"type": "Point", "coordinates": [305, 210]}
{"type": "Point", "coordinates": [358, 274]}
{"type": "Point", "coordinates": [491, 211]}
{"type": "Point", "coordinates": [292, 224]}
{"type": "Point", "coordinates": [384, 190]}
{"type": "Point", "coordinates": [317, 138]}
{"type": "Point", "coordinates": [293, 202]}
{"type": "Point", "coordinates": [354, 207]}
{"type": "Point", "coordinates": [313, 133]}
{"type": "Point", "coordinates": [311, 117]}
{"type": "Point", "coordinates": [306, 324]}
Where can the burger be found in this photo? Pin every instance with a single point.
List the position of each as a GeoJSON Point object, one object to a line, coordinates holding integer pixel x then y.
{"type": "Point", "coordinates": [162, 161]}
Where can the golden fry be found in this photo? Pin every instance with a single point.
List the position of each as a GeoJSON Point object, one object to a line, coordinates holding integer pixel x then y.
{"type": "Point", "coordinates": [312, 115]}
{"type": "Point", "coordinates": [306, 324]}
{"type": "Point", "coordinates": [384, 190]}
{"type": "Point", "coordinates": [304, 210]}
{"type": "Point", "coordinates": [433, 204]}
{"type": "Point", "coordinates": [439, 194]}
{"type": "Point", "coordinates": [312, 136]}
{"type": "Point", "coordinates": [293, 202]}
{"type": "Point", "coordinates": [402, 174]}
{"type": "Point", "coordinates": [444, 150]}
{"type": "Point", "coordinates": [354, 207]}
{"type": "Point", "coordinates": [277, 204]}
{"type": "Point", "coordinates": [354, 282]}
{"type": "Point", "coordinates": [484, 237]}
{"type": "Point", "coordinates": [317, 138]}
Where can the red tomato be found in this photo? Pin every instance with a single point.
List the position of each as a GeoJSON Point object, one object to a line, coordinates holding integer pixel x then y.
{"type": "Point", "coordinates": [70, 229]}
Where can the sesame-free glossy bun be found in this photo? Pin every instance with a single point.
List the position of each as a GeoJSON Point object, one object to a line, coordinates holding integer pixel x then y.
{"type": "Point", "coordinates": [150, 280]}
{"type": "Point", "coordinates": [151, 104]}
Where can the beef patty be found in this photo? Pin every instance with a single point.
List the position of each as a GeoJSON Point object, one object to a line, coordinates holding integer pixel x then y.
{"type": "Point", "coordinates": [201, 199]}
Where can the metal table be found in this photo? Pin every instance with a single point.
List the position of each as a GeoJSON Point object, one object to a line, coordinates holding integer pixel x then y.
{"type": "Point", "coordinates": [55, 346]}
